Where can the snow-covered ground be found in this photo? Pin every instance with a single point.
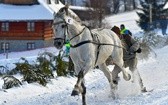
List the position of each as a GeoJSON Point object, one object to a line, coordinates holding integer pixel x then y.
{"type": "Point", "coordinates": [154, 73]}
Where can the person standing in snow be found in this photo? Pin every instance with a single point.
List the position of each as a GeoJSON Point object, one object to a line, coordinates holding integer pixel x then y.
{"type": "Point", "coordinates": [163, 24]}
{"type": "Point", "coordinates": [131, 47]}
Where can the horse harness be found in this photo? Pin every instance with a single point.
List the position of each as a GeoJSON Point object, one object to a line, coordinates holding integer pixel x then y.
{"type": "Point", "coordinates": [95, 39]}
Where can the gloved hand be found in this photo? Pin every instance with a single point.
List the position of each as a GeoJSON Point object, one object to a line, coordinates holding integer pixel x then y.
{"type": "Point", "coordinates": [139, 50]}
{"type": "Point", "coordinates": [131, 51]}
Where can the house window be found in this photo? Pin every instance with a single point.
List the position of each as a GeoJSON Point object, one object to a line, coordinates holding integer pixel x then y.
{"type": "Point", "coordinates": [4, 46]}
{"type": "Point", "coordinates": [5, 26]}
{"type": "Point", "coordinates": [30, 26]}
{"type": "Point", "coordinates": [30, 46]}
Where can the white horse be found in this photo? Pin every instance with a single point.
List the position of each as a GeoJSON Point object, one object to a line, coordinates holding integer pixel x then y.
{"type": "Point", "coordinates": [89, 48]}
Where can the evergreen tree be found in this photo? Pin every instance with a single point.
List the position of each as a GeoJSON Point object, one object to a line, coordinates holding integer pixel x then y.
{"type": "Point", "coordinates": [157, 10]}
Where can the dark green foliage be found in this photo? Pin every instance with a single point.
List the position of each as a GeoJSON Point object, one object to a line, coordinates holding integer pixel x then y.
{"type": "Point", "coordinates": [30, 74]}
{"type": "Point", "coordinates": [10, 81]}
{"type": "Point", "coordinates": [41, 71]}
{"type": "Point", "coordinates": [45, 67]}
{"type": "Point", "coordinates": [157, 13]}
{"type": "Point", "coordinates": [35, 73]}
{"type": "Point", "coordinates": [61, 65]}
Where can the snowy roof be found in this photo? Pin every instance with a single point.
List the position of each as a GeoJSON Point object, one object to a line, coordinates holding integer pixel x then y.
{"type": "Point", "coordinates": [29, 12]}
{"type": "Point", "coordinates": [80, 8]}
{"type": "Point", "coordinates": [55, 7]}
{"type": "Point", "coordinates": [43, 11]}
{"type": "Point", "coordinates": [166, 6]}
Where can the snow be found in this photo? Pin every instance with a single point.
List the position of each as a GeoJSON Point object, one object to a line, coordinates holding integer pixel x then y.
{"type": "Point", "coordinates": [32, 12]}
{"type": "Point", "coordinates": [154, 73]}
{"type": "Point", "coordinates": [53, 7]}
{"type": "Point", "coordinates": [80, 8]}
{"type": "Point", "coordinates": [128, 19]}
{"type": "Point", "coordinates": [166, 6]}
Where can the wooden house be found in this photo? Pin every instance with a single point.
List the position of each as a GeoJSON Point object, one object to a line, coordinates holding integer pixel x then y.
{"type": "Point", "coordinates": [27, 24]}
{"type": "Point", "coordinates": [24, 25]}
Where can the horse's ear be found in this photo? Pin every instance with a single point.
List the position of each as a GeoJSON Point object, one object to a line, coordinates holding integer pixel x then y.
{"type": "Point", "coordinates": [66, 8]}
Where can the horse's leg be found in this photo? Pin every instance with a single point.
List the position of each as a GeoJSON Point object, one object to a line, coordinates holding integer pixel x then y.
{"type": "Point", "coordinates": [132, 64]}
{"type": "Point", "coordinates": [115, 73]}
{"type": "Point", "coordinates": [126, 75]}
{"type": "Point", "coordinates": [83, 94]}
{"type": "Point", "coordinates": [108, 75]}
{"type": "Point", "coordinates": [80, 88]}
{"type": "Point", "coordinates": [118, 61]}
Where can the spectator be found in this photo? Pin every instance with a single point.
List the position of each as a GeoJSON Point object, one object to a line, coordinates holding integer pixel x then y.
{"type": "Point", "coordinates": [163, 24]}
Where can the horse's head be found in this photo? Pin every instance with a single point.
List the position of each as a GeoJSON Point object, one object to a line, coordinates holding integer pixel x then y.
{"type": "Point", "coordinates": [62, 19]}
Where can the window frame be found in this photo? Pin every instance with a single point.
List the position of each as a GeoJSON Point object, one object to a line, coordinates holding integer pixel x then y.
{"type": "Point", "coordinates": [5, 26]}
{"type": "Point", "coordinates": [30, 26]}
{"type": "Point", "coordinates": [5, 46]}
{"type": "Point", "coordinates": [30, 45]}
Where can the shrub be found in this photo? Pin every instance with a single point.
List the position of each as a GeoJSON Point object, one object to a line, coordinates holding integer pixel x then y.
{"type": "Point", "coordinates": [61, 65]}
{"type": "Point", "coordinates": [33, 73]}
{"type": "Point", "coordinates": [10, 81]}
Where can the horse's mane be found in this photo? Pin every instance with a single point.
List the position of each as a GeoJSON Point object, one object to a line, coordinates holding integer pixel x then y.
{"type": "Point", "coordinates": [69, 13]}
{"type": "Point", "coordinates": [117, 31]}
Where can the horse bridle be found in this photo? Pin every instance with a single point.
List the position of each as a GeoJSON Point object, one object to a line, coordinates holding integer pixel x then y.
{"type": "Point", "coordinates": [65, 24]}
{"type": "Point", "coordinates": [66, 31]}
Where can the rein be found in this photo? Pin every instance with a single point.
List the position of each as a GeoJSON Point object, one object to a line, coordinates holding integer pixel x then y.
{"type": "Point", "coordinates": [90, 41]}
{"type": "Point", "coordinates": [93, 42]}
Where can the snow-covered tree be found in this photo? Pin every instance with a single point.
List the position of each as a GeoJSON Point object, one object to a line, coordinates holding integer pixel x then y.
{"type": "Point", "coordinates": [151, 13]}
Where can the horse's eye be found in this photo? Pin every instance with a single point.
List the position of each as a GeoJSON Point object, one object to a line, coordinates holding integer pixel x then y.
{"type": "Point", "coordinates": [63, 26]}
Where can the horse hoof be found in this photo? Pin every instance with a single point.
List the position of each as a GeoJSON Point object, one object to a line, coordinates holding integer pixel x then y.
{"type": "Point", "coordinates": [115, 82]}
{"type": "Point", "coordinates": [144, 90]}
{"type": "Point", "coordinates": [127, 78]}
{"type": "Point", "coordinates": [74, 93]}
